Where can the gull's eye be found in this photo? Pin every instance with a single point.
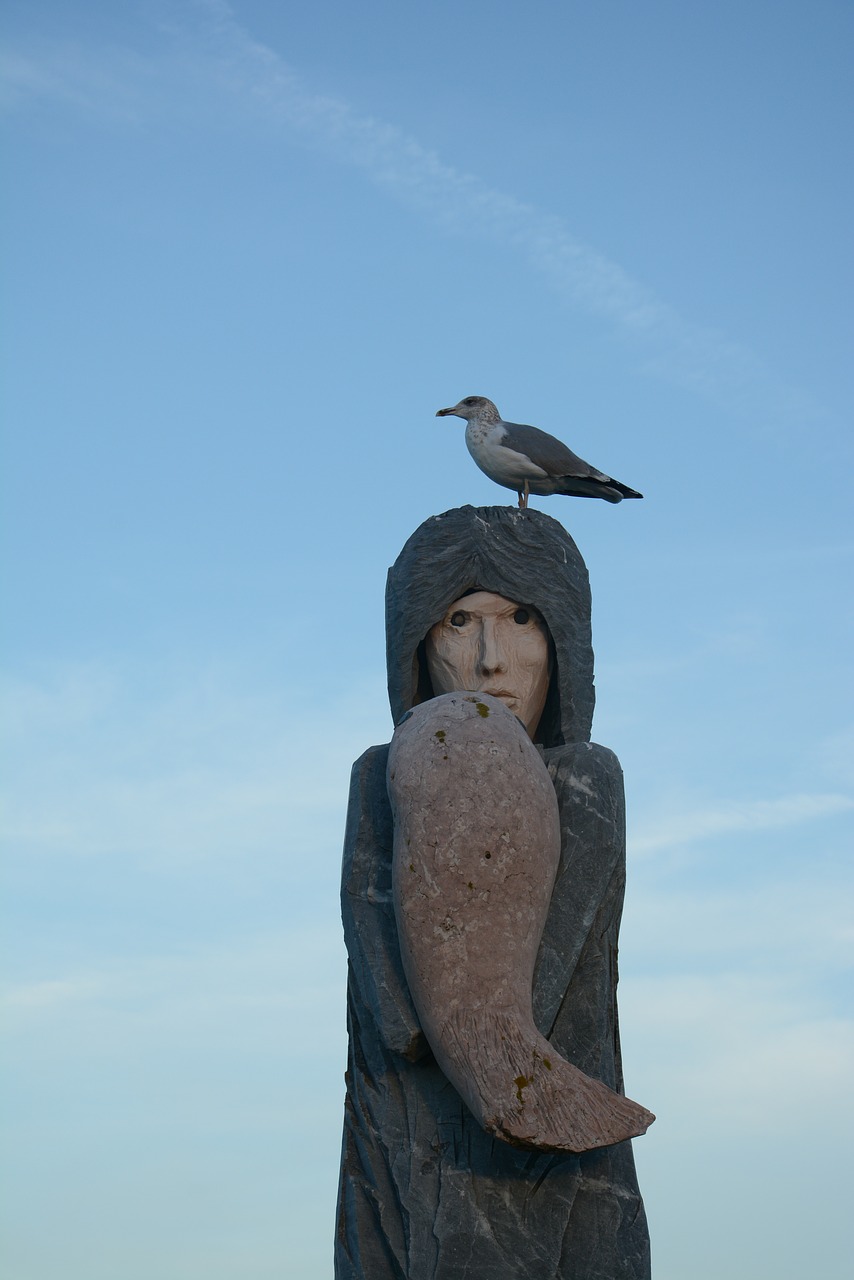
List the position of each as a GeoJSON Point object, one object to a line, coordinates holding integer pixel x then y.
{"type": "Point", "coordinates": [458, 619]}
{"type": "Point", "coordinates": [470, 400]}
{"type": "Point", "coordinates": [521, 616]}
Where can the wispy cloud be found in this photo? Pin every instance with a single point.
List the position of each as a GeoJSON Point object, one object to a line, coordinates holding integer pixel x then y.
{"type": "Point", "coordinates": [798, 928]}
{"type": "Point", "coordinates": [757, 815]}
{"type": "Point", "coordinates": [214, 56]}
{"type": "Point", "coordinates": [184, 1083]}
{"type": "Point", "coordinates": [203, 765]}
{"type": "Point", "coordinates": [46, 995]}
{"type": "Point", "coordinates": [735, 999]}
{"type": "Point", "coordinates": [733, 1052]}
{"type": "Point", "coordinates": [462, 203]}
{"type": "Point", "coordinates": [249, 979]}
{"type": "Point", "coordinates": [836, 755]}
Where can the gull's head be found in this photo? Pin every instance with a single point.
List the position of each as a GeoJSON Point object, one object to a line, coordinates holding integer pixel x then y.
{"type": "Point", "coordinates": [473, 408]}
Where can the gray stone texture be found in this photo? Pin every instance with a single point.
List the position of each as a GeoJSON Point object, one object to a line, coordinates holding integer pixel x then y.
{"type": "Point", "coordinates": [426, 1193]}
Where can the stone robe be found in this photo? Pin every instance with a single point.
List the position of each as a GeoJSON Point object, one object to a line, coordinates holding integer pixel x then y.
{"type": "Point", "coordinates": [425, 1193]}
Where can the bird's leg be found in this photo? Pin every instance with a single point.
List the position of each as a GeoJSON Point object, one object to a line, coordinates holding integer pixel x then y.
{"type": "Point", "coordinates": [523, 497]}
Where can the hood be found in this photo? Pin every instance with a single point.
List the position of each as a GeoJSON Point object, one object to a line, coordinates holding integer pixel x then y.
{"type": "Point", "coordinates": [523, 555]}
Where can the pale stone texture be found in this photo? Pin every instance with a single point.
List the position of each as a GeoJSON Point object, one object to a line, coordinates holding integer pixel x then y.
{"type": "Point", "coordinates": [476, 851]}
{"type": "Point", "coordinates": [426, 1192]}
{"type": "Point", "coordinates": [489, 644]}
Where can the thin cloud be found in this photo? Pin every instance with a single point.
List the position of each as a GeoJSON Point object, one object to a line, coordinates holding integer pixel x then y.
{"type": "Point", "coordinates": [758, 815]}
{"type": "Point", "coordinates": [462, 203]}
{"type": "Point", "coordinates": [836, 755]}
{"type": "Point", "coordinates": [207, 765]}
{"type": "Point", "coordinates": [244, 975]}
{"type": "Point", "coordinates": [734, 1051]}
{"type": "Point", "coordinates": [801, 926]}
{"type": "Point", "coordinates": [217, 58]}
{"type": "Point", "coordinates": [45, 995]}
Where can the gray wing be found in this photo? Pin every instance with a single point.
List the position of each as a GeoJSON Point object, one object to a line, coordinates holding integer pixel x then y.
{"type": "Point", "coordinates": [547, 452]}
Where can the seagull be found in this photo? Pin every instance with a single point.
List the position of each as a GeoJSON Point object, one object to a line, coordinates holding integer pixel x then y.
{"type": "Point", "coordinates": [529, 460]}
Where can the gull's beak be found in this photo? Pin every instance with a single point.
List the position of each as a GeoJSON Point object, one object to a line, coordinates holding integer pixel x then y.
{"type": "Point", "coordinates": [443, 413]}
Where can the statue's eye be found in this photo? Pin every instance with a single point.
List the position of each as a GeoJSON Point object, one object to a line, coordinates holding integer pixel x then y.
{"type": "Point", "coordinates": [521, 616]}
{"type": "Point", "coordinates": [458, 619]}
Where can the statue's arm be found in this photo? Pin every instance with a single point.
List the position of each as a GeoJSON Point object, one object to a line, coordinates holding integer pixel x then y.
{"type": "Point", "coordinates": [377, 983]}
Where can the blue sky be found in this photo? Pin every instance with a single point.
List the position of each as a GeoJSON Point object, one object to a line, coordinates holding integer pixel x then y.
{"type": "Point", "coordinates": [249, 250]}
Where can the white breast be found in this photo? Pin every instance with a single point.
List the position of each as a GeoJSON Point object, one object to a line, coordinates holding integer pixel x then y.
{"type": "Point", "coordinates": [504, 466]}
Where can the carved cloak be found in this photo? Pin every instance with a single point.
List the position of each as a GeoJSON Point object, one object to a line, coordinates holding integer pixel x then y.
{"type": "Point", "coordinates": [425, 1193]}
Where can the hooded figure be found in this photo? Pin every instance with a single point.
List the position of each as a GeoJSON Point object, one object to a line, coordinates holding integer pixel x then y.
{"type": "Point", "coordinates": [426, 1193]}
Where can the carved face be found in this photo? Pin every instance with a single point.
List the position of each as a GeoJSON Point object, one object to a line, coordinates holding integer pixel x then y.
{"type": "Point", "coordinates": [488, 644]}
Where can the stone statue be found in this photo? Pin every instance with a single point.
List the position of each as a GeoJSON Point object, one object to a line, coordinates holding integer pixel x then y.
{"type": "Point", "coordinates": [482, 889]}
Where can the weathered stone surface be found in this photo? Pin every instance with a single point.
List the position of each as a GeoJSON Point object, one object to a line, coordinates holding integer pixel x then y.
{"type": "Point", "coordinates": [426, 1192]}
{"type": "Point", "coordinates": [523, 555]}
{"type": "Point", "coordinates": [476, 851]}
{"type": "Point", "coordinates": [486, 643]}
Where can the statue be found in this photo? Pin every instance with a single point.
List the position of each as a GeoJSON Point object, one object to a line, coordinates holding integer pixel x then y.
{"type": "Point", "coordinates": [485, 1124]}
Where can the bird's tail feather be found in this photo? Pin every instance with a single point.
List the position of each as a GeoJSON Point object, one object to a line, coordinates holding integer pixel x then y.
{"type": "Point", "coordinates": [612, 491]}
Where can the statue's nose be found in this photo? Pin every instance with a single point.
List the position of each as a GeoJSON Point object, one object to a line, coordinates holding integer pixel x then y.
{"type": "Point", "coordinates": [491, 657]}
